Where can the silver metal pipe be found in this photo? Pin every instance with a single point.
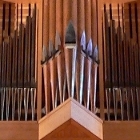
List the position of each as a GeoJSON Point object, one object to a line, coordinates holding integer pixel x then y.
{"type": "Point", "coordinates": [8, 97]}
{"type": "Point", "coordinates": [56, 98]}
{"type": "Point", "coordinates": [133, 102]}
{"type": "Point", "coordinates": [74, 53]}
{"type": "Point", "coordinates": [115, 101]}
{"type": "Point", "coordinates": [89, 81]}
{"type": "Point", "coordinates": [121, 103]}
{"type": "Point", "coordinates": [82, 60]}
{"type": "Point", "coordinates": [19, 98]}
{"type": "Point", "coordinates": [108, 101]}
{"type": "Point", "coordinates": [33, 102]}
{"type": "Point", "coordinates": [2, 102]}
{"type": "Point", "coordinates": [26, 101]}
{"type": "Point", "coordinates": [127, 97]}
{"type": "Point", "coordinates": [14, 92]}
{"type": "Point", "coordinates": [138, 102]}
{"type": "Point", "coordinates": [64, 88]}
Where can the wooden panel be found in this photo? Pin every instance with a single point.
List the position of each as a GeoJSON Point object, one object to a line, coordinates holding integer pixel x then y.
{"type": "Point", "coordinates": [70, 109]}
{"type": "Point", "coordinates": [70, 130]}
{"type": "Point", "coordinates": [18, 130]}
{"type": "Point", "coordinates": [129, 130]}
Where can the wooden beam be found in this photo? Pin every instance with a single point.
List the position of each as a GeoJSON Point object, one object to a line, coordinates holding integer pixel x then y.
{"type": "Point", "coordinates": [10, 130]}
{"type": "Point", "coordinates": [101, 67]}
{"type": "Point", "coordinates": [39, 58]}
{"type": "Point", "coordinates": [121, 130]}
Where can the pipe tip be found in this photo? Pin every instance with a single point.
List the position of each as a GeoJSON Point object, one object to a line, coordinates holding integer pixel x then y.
{"type": "Point", "coordinates": [57, 41]}
{"type": "Point", "coordinates": [70, 34]}
{"type": "Point", "coordinates": [83, 41]}
{"type": "Point", "coordinates": [89, 48]}
{"type": "Point", "coordinates": [50, 48]}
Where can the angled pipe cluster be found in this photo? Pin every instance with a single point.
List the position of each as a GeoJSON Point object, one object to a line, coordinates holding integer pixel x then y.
{"type": "Point", "coordinates": [70, 53]}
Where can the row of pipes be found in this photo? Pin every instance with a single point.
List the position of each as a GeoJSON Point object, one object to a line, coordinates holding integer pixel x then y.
{"type": "Point", "coordinates": [18, 64]}
{"type": "Point", "coordinates": [121, 61]}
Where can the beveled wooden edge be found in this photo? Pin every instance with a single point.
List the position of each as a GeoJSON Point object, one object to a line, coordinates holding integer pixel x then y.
{"type": "Point", "coordinates": [23, 1]}
{"type": "Point", "coordinates": [55, 110]}
{"type": "Point", "coordinates": [54, 119]}
{"type": "Point", "coordinates": [39, 44]}
{"type": "Point", "coordinates": [86, 110]}
{"type": "Point", "coordinates": [18, 130]}
{"type": "Point", "coordinates": [70, 109]}
{"type": "Point", "coordinates": [121, 130]}
{"type": "Point", "coordinates": [87, 119]}
{"type": "Point", "coordinates": [117, 1]}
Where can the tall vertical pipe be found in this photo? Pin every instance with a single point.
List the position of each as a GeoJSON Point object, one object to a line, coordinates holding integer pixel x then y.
{"type": "Point", "coordinates": [52, 20]}
{"type": "Point", "coordinates": [80, 18]}
{"type": "Point", "coordinates": [67, 14]}
{"type": "Point", "coordinates": [79, 65]}
{"type": "Point", "coordinates": [94, 23]}
{"type": "Point", "coordinates": [46, 23]}
{"type": "Point", "coordinates": [88, 19]}
{"type": "Point", "coordinates": [59, 18]}
{"type": "Point", "coordinates": [60, 58]}
{"type": "Point", "coordinates": [74, 15]}
{"type": "Point", "coordinates": [74, 54]}
{"type": "Point", "coordinates": [46, 70]}
{"type": "Point", "coordinates": [88, 37]}
{"type": "Point", "coordinates": [94, 34]}
{"type": "Point", "coordinates": [70, 15]}
{"type": "Point", "coordinates": [52, 32]}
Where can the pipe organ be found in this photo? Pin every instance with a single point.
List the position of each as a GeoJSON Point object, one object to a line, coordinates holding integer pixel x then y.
{"type": "Point", "coordinates": [70, 52]}
{"type": "Point", "coordinates": [69, 69]}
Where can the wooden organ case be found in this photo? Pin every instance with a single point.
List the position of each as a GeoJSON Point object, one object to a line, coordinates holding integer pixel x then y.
{"type": "Point", "coordinates": [61, 74]}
